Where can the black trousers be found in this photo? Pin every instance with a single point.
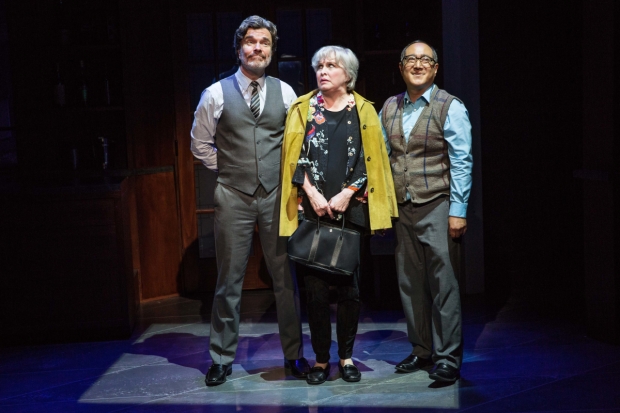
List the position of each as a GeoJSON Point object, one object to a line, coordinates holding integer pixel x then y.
{"type": "Point", "coordinates": [319, 318]}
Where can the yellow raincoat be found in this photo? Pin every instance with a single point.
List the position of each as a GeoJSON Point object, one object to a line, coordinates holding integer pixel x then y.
{"type": "Point", "coordinates": [382, 205]}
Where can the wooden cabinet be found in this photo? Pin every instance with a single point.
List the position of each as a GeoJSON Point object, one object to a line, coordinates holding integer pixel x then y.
{"type": "Point", "coordinates": [120, 51]}
{"type": "Point", "coordinates": [67, 262]}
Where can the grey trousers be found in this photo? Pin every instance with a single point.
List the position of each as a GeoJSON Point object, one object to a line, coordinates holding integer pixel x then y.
{"type": "Point", "coordinates": [236, 215]}
{"type": "Point", "coordinates": [428, 286]}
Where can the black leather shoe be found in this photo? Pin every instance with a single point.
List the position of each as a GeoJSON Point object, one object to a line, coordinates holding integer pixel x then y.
{"type": "Point", "coordinates": [298, 368]}
{"type": "Point", "coordinates": [414, 363]}
{"type": "Point", "coordinates": [217, 374]}
{"type": "Point", "coordinates": [349, 372]}
{"type": "Point", "coordinates": [444, 373]}
{"type": "Point", "coordinates": [318, 375]}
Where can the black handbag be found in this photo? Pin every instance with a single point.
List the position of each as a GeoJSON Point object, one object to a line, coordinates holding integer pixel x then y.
{"type": "Point", "coordinates": [326, 247]}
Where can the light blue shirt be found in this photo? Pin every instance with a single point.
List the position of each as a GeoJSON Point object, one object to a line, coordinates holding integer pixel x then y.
{"type": "Point", "coordinates": [457, 133]}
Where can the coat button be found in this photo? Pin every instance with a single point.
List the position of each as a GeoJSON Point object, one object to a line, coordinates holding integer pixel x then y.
{"type": "Point", "coordinates": [349, 122]}
{"type": "Point", "coordinates": [407, 185]}
{"type": "Point", "coordinates": [368, 159]}
{"type": "Point", "coordinates": [364, 127]}
{"type": "Point", "coordinates": [405, 170]}
{"type": "Point", "coordinates": [372, 189]}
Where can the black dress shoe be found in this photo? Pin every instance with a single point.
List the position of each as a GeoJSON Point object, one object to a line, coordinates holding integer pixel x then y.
{"type": "Point", "coordinates": [414, 363]}
{"type": "Point", "coordinates": [298, 368]}
{"type": "Point", "coordinates": [444, 373]}
{"type": "Point", "coordinates": [217, 374]}
{"type": "Point", "coordinates": [318, 375]}
{"type": "Point", "coordinates": [350, 372]}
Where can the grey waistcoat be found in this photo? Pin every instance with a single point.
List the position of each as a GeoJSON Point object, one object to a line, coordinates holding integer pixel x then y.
{"type": "Point", "coordinates": [421, 165]}
{"type": "Point", "coordinates": [248, 149]}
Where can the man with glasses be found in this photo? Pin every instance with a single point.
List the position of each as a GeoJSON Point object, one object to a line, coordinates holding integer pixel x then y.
{"type": "Point", "coordinates": [428, 137]}
{"type": "Point", "coordinates": [244, 116]}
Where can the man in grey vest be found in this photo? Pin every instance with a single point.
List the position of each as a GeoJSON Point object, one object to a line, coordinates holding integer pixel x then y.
{"type": "Point", "coordinates": [237, 132]}
{"type": "Point", "coordinates": [428, 136]}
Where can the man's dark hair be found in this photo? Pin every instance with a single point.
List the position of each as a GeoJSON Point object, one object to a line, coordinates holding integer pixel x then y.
{"type": "Point", "coordinates": [435, 57]}
{"type": "Point", "coordinates": [255, 22]}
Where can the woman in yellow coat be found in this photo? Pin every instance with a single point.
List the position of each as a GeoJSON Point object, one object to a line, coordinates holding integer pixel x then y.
{"type": "Point", "coordinates": [334, 159]}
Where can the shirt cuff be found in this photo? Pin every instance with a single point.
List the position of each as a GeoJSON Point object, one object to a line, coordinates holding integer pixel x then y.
{"type": "Point", "coordinates": [458, 210]}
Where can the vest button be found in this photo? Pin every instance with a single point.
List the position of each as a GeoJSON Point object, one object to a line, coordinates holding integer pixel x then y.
{"type": "Point", "coordinates": [407, 185]}
{"type": "Point", "coordinates": [258, 143]}
{"type": "Point", "coordinates": [405, 170]}
{"type": "Point", "coordinates": [349, 122]}
{"type": "Point", "coordinates": [260, 159]}
{"type": "Point", "coordinates": [406, 152]}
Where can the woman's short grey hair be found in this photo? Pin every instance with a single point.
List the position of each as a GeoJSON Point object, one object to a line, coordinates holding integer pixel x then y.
{"type": "Point", "coordinates": [343, 57]}
{"type": "Point", "coordinates": [255, 22]}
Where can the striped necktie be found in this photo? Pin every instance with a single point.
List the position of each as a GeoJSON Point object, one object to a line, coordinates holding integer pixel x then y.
{"type": "Point", "coordinates": [255, 102]}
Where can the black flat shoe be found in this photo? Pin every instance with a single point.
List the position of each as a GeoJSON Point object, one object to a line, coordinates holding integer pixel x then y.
{"type": "Point", "coordinates": [349, 373]}
{"type": "Point", "coordinates": [217, 374]}
{"type": "Point", "coordinates": [318, 375]}
{"type": "Point", "coordinates": [298, 368]}
{"type": "Point", "coordinates": [444, 373]}
{"type": "Point", "coordinates": [414, 363]}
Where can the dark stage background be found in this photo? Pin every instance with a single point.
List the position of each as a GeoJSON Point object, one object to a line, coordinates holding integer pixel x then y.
{"type": "Point", "coordinates": [547, 127]}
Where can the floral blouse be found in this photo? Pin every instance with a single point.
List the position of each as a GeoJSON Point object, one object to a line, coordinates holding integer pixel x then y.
{"type": "Point", "coordinates": [314, 152]}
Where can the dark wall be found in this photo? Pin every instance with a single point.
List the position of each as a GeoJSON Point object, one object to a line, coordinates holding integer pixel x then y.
{"type": "Point", "coordinates": [531, 98]}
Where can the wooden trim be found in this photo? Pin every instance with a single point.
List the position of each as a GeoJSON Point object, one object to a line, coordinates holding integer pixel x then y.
{"type": "Point", "coordinates": [163, 297]}
{"type": "Point", "coordinates": [184, 159]}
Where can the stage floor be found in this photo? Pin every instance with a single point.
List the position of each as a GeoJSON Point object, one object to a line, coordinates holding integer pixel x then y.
{"type": "Point", "coordinates": [517, 359]}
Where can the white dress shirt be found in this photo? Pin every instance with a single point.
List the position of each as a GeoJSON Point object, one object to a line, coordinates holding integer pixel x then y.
{"type": "Point", "coordinates": [210, 109]}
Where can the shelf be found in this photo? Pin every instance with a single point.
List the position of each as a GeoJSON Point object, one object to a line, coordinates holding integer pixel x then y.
{"type": "Point", "coordinates": [381, 52]}
{"type": "Point", "coordinates": [94, 109]}
{"type": "Point", "coordinates": [79, 47]}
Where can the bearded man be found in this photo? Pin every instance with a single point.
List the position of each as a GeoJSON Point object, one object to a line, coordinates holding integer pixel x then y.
{"type": "Point", "coordinates": [237, 133]}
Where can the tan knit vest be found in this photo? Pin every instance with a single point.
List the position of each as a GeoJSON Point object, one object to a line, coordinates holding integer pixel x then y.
{"type": "Point", "coordinates": [420, 166]}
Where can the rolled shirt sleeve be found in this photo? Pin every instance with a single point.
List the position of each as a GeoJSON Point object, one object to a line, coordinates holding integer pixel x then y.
{"type": "Point", "coordinates": [457, 133]}
{"type": "Point", "coordinates": [203, 130]}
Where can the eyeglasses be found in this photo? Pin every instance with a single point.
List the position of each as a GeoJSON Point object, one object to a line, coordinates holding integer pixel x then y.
{"type": "Point", "coordinates": [411, 60]}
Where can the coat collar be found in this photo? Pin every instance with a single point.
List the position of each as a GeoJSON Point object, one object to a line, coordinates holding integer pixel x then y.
{"type": "Point", "coordinates": [302, 103]}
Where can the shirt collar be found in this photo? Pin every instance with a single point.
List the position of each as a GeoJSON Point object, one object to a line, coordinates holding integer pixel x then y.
{"type": "Point", "coordinates": [426, 95]}
{"type": "Point", "coordinates": [244, 81]}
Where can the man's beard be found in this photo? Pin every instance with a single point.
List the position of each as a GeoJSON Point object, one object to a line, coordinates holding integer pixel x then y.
{"type": "Point", "coordinates": [256, 64]}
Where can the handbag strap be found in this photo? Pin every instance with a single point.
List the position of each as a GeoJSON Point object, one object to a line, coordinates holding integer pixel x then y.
{"type": "Point", "coordinates": [337, 249]}
{"type": "Point", "coordinates": [315, 243]}
{"type": "Point", "coordinates": [318, 223]}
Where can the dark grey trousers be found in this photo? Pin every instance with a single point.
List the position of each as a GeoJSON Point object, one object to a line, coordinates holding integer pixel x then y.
{"type": "Point", "coordinates": [428, 286]}
{"type": "Point", "coordinates": [236, 215]}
